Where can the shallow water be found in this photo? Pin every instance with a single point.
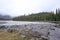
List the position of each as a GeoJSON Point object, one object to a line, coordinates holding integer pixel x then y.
{"type": "Point", "coordinates": [21, 22]}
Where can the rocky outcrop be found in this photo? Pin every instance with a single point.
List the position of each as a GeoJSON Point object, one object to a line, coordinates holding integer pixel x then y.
{"type": "Point", "coordinates": [3, 27]}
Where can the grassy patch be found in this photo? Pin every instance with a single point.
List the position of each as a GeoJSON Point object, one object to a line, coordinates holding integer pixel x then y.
{"type": "Point", "coordinates": [13, 36]}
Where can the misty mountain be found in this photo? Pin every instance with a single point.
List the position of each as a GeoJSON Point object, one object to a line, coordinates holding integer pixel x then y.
{"type": "Point", "coordinates": [5, 17]}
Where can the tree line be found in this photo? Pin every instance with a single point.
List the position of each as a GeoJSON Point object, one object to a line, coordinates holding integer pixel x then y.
{"type": "Point", "coordinates": [42, 16]}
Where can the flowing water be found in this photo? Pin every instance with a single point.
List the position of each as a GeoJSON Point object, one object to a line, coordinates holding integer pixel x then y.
{"type": "Point", "coordinates": [21, 22]}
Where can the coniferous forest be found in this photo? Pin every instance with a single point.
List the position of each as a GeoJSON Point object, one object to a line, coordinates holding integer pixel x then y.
{"type": "Point", "coordinates": [41, 16]}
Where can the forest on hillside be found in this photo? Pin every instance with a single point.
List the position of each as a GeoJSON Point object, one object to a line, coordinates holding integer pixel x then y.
{"type": "Point", "coordinates": [42, 16]}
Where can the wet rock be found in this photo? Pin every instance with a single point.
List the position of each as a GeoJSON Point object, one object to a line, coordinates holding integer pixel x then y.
{"type": "Point", "coordinates": [23, 35]}
{"type": "Point", "coordinates": [52, 29]}
{"type": "Point", "coordinates": [44, 38]}
{"type": "Point", "coordinates": [12, 30]}
{"type": "Point", "coordinates": [3, 27]}
{"type": "Point", "coordinates": [31, 39]}
{"type": "Point", "coordinates": [44, 32]}
{"type": "Point", "coordinates": [56, 25]}
{"type": "Point", "coordinates": [34, 33]}
{"type": "Point", "coordinates": [15, 26]}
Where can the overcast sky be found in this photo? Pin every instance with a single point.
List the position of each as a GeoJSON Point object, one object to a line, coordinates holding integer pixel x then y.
{"type": "Point", "coordinates": [21, 7]}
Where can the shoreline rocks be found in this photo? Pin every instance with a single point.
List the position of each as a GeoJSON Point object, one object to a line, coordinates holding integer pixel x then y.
{"type": "Point", "coordinates": [36, 30]}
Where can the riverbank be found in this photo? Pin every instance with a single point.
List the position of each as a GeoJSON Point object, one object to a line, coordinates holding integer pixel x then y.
{"type": "Point", "coordinates": [38, 30]}
{"type": "Point", "coordinates": [57, 22]}
{"type": "Point", "coordinates": [28, 30]}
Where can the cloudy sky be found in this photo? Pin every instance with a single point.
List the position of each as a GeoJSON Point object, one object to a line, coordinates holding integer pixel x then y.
{"type": "Point", "coordinates": [21, 7]}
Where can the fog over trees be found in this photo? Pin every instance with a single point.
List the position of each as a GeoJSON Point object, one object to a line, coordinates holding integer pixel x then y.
{"type": "Point", "coordinates": [42, 16]}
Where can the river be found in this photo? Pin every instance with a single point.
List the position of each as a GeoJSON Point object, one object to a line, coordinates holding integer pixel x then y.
{"type": "Point", "coordinates": [21, 22]}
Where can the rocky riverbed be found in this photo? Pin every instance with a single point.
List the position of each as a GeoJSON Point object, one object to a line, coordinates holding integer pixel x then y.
{"type": "Point", "coordinates": [34, 31]}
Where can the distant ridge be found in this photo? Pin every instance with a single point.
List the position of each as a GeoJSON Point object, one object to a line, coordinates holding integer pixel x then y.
{"type": "Point", "coordinates": [5, 17]}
